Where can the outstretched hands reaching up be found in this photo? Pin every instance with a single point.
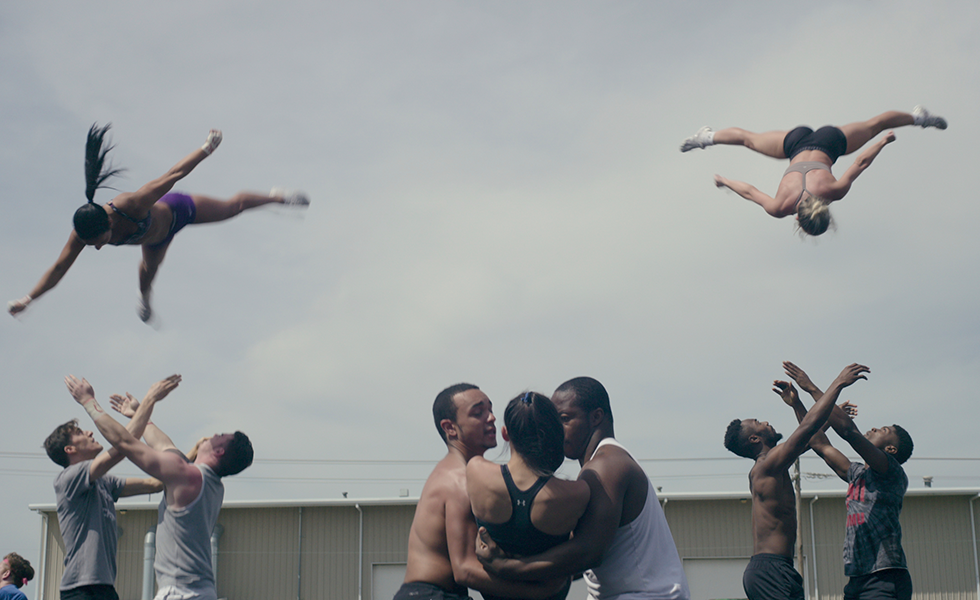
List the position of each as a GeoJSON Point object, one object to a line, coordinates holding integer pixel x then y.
{"type": "Point", "coordinates": [127, 406]}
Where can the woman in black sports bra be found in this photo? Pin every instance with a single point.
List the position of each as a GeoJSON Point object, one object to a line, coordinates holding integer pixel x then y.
{"type": "Point", "coordinates": [808, 186]}
{"type": "Point", "coordinates": [149, 217]}
{"type": "Point", "coordinates": [524, 508]}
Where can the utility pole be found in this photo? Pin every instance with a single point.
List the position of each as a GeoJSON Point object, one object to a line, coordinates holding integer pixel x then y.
{"type": "Point", "coordinates": [798, 550]}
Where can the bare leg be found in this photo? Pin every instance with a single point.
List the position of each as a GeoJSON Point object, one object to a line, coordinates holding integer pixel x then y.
{"type": "Point", "coordinates": [211, 210]}
{"type": "Point", "coordinates": [769, 143]}
{"type": "Point", "coordinates": [860, 133]}
{"type": "Point", "coordinates": [152, 259]}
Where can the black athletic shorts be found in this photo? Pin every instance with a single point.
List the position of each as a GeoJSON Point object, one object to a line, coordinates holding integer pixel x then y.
{"type": "Point", "coordinates": [772, 577]}
{"type": "Point", "coordinates": [828, 139]}
{"type": "Point", "coordinates": [90, 592]}
{"type": "Point", "coordinates": [418, 590]}
{"type": "Point", "coordinates": [892, 584]}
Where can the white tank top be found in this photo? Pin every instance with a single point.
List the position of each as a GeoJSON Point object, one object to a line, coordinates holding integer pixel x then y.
{"type": "Point", "coordinates": [642, 561]}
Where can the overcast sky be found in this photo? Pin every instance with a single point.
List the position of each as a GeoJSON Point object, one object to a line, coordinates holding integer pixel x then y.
{"type": "Point", "coordinates": [497, 198]}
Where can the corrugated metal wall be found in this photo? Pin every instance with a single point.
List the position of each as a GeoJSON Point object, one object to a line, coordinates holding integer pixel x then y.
{"type": "Point", "coordinates": [264, 555]}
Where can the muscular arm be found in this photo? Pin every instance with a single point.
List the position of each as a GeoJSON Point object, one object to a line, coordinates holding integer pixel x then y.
{"type": "Point", "coordinates": [138, 486]}
{"type": "Point", "coordinates": [751, 193]}
{"type": "Point", "coordinates": [168, 467]}
{"type": "Point", "coordinates": [53, 275]}
{"type": "Point", "coordinates": [843, 425]}
{"type": "Point", "coordinates": [783, 455]}
{"type": "Point", "coordinates": [840, 188]}
{"type": "Point", "coordinates": [128, 406]}
{"type": "Point", "coordinates": [591, 538]}
{"type": "Point", "coordinates": [819, 442]}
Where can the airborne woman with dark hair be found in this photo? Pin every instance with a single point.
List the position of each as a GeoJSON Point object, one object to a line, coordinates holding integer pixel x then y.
{"type": "Point", "coordinates": [523, 507]}
{"type": "Point", "coordinates": [148, 217]}
{"type": "Point", "coordinates": [808, 187]}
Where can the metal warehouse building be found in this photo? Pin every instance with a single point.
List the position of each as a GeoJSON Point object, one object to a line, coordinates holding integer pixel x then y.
{"type": "Point", "coordinates": [356, 549]}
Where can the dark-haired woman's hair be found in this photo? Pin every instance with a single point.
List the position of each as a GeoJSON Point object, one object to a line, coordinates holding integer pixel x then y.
{"type": "Point", "coordinates": [535, 432]}
{"type": "Point", "coordinates": [89, 222]}
{"type": "Point", "coordinates": [96, 169]}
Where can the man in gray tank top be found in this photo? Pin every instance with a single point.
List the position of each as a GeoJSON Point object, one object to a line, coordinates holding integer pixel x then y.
{"type": "Point", "coordinates": [86, 494]}
{"type": "Point", "coordinates": [192, 494]}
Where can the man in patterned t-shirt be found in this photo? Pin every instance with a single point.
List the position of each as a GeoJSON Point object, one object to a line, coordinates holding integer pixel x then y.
{"type": "Point", "coordinates": [873, 555]}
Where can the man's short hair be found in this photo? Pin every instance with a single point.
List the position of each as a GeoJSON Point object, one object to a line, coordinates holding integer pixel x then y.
{"type": "Point", "coordinates": [21, 570]}
{"type": "Point", "coordinates": [237, 457]}
{"type": "Point", "coordinates": [589, 395]}
{"type": "Point", "coordinates": [904, 444]}
{"type": "Point", "coordinates": [59, 438]}
{"type": "Point", "coordinates": [445, 407]}
{"type": "Point", "coordinates": [736, 442]}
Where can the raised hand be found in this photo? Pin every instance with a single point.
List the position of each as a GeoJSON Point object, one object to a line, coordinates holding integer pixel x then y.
{"type": "Point", "coordinates": [159, 390]}
{"type": "Point", "coordinates": [81, 391]}
{"type": "Point", "coordinates": [849, 409]}
{"type": "Point", "coordinates": [799, 376]}
{"type": "Point", "coordinates": [786, 391]}
{"type": "Point", "coordinates": [851, 374]}
{"type": "Point", "coordinates": [126, 406]}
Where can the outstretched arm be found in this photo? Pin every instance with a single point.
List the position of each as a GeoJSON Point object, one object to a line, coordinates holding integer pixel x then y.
{"type": "Point", "coordinates": [165, 466]}
{"type": "Point", "coordinates": [783, 455]}
{"type": "Point", "coordinates": [843, 424]}
{"type": "Point", "coordinates": [840, 188]}
{"type": "Point", "coordinates": [751, 193]}
{"type": "Point", "coordinates": [138, 203]}
{"type": "Point", "coordinates": [153, 436]}
{"type": "Point", "coordinates": [53, 275]}
{"type": "Point", "coordinates": [139, 420]}
{"type": "Point", "coordinates": [819, 442]}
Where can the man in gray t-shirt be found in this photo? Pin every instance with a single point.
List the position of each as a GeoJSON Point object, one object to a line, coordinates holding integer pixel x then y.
{"type": "Point", "coordinates": [86, 495]}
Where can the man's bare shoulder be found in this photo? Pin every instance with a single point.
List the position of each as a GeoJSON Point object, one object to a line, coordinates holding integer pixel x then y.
{"type": "Point", "coordinates": [612, 460]}
{"type": "Point", "coordinates": [767, 464]}
{"type": "Point", "coordinates": [447, 480]}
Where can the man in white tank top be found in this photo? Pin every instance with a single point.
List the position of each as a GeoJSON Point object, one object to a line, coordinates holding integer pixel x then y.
{"type": "Point", "coordinates": [622, 542]}
{"type": "Point", "coordinates": [192, 493]}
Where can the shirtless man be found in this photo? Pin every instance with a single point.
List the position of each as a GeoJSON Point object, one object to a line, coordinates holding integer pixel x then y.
{"type": "Point", "coordinates": [770, 574]}
{"type": "Point", "coordinates": [193, 493]}
{"type": "Point", "coordinates": [442, 562]}
{"type": "Point", "coordinates": [873, 556]}
{"type": "Point", "coordinates": [623, 538]}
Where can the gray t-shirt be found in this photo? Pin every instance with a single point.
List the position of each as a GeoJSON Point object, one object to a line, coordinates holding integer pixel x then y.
{"type": "Point", "coordinates": [183, 559]}
{"type": "Point", "coordinates": [87, 517]}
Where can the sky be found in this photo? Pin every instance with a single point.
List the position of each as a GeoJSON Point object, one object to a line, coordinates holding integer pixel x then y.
{"type": "Point", "coordinates": [497, 198]}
